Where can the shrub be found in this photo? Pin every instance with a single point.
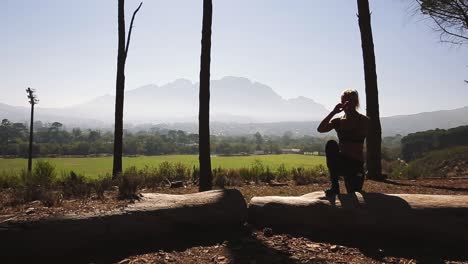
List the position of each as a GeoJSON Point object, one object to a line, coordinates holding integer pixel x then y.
{"type": "Point", "coordinates": [227, 177]}
{"type": "Point", "coordinates": [267, 175]}
{"type": "Point", "coordinates": [256, 170]}
{"type": "Point", "coordinates": [38, 184]}
{"type": "Point", "coordinates": [74, 185]}
{"type": "Point", "coordinates": [244, 173]}
{"type": "Point", "coordinates": [302, 176]}
{"type": "Point", "coordinates": [219, 177]}
{"type": "Point", "coordinates": [151, 176]}
{"type": "Point", "coordinates": [282, 173]}
{"type": "Point", "coordinates": [9, 180]}
{"type": "Point", "coordinates": [195, 174]}
{"type": "Point", "coordinates": [166, 170]}
{"type": "Point", "coordinates": [43, 174]}
{"type": "Point", "coordinates": [129, 183]}
{"type": "Point", "coordinates": [181, 172]}
{"type": "Point", "coordinates": [101, 185]}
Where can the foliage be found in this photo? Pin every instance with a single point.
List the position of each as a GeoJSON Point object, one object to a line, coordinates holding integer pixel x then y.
{"type": "Point", "coordinates": [38, 184]}
{"type": "Point", "coordinates": [417, 144]}
{"type": "Point", "coordinates": [129, 182]}
{"type": "Point", "coordinates": [52, 139]}
{"type": "Point", "coordinates": [75, 185]}
{"type": "Point", "coordinates": [303, 176]}
{"type": "Point", "coordinates": [450, 18]}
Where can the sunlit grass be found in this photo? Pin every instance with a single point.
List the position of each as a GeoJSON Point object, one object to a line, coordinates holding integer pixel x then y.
{"type": "Point", "coordinates": [93, 167]}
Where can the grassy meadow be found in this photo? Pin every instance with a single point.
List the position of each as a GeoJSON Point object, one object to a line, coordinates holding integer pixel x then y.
{"type": "Point", "coordinates": [93, 167]}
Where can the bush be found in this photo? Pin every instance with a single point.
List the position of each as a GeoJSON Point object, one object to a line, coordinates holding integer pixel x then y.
{"type": "Point", "coordinates": [74, 185]}
{"type": "Point", "coordinates": [181, 172]}
{"type": "Point", "coordinates": [227, 177]}
{"type": "Point", "coordinates": [129, 183]}
{"type": "Point", "coordinates": [267, 175]}
{"type": "Point", "coordinates": [256, 170]}
{"type": "Point", "coordinates": [302, 176]}
{"type": "Point", "coordinates": [282, 173]}
{"type": "Point", "coordinates": [166, 170]}
{"type": "Point", "coordinates": [219, 177]}
{"type": "Point", "coordinates": [151, 176]}
{"type": "Point", "coordinates": [244, 173]}
{"type": "Point", "coordinates": [43, 174]}
{"type": "Point", "coordinates": [195, 174]}
{"type": "Point", "coordinates": [38, 184]}
{"type": "Point", "coordinates": [101, 185]}
{"type": "Point", "coordinates": [9, 180]}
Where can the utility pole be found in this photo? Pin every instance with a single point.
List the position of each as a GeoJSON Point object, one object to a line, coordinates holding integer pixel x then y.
{"type": "Point", "coordinates": [32, 100]}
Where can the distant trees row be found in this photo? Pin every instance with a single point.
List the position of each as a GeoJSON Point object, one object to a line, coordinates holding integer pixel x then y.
{"type": "Point", "coordinates": [53, 139]}
{"type": "Point", "coordinates": [417, 144]}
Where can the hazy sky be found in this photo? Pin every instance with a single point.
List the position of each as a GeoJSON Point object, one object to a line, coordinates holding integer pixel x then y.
{"type": "Point", "coordinates": [67, 49]}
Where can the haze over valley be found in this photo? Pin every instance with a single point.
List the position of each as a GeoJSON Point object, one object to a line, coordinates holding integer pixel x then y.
{"type": "Point", "coordinates": [238, 106]}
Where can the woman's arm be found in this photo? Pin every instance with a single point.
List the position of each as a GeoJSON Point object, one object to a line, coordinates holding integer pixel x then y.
{"type": "Point", "coordinates": [326, 125]}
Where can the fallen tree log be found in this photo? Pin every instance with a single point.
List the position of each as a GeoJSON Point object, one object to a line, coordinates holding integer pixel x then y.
{"type": "Point", "coordinates": [153, 217]}
{"type": "Point", "coordinates": [401, 215]}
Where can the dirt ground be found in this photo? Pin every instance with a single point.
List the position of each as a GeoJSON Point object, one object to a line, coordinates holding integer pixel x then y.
{"type": "Point", "coordinates": [254, 246]}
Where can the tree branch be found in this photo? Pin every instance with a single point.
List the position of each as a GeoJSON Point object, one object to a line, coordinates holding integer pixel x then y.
{"type": "Point", "coordinates": [130, 29]}
{"type": "Point", "coordinates": [448, 32]}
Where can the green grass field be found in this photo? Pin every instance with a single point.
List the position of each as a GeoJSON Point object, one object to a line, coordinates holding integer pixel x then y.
{"type": "Point", "coordinates": [93, 167]}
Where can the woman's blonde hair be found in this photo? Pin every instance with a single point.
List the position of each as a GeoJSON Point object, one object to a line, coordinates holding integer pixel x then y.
{"type": "Point", "coordinates": [352, 95]}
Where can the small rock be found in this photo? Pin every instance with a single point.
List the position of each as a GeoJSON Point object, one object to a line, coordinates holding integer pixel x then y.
{"type": "Point", "coordinates": [30, 210]}
{"type": "Point", "coordinates": [334, 248]}
{"type": "Point", "coordinates": [268, 232]}
{"type": "Point", "coordinates": [313, 246]}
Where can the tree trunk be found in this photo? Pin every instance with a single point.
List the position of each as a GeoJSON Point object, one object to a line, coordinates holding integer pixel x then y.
{"type": "Point", "coordinates": [119, 92]}
{"type": "Point", "coordinates": [204, 107]}
{"type": "Point", "coordinates": [374, 138]}
{"type": "Point", "coordinates": [408, 216]}
{"type": "Point", "coordinates": [31, 131]}
{"type": "Point", "coordinates": [153, 219]}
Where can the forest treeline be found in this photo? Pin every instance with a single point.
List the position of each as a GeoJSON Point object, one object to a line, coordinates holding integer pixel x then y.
{"type": "Point", "coordinates": [53, 139]}
{"type": "Point", "coordinates": [418, 144]}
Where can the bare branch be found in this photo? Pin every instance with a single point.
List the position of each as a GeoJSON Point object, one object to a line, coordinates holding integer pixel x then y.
{"type": "Point", "coordinates": [130, 29]}
{"type": "Point", "coordinates": [448, 32]}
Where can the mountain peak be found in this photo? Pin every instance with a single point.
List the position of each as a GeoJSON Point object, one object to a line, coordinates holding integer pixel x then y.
{"type": "Point", "coordinates": [181, 81]}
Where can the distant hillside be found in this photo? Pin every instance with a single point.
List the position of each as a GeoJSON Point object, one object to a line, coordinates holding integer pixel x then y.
{"type": "Point", "coordinates": [233, 99]}
{"type": "Point", "coordinates": [444, 119]}
{"type": "Point", "coordinates": [22, 114]}
{"type": "Point", "coordinates": [238, 106]}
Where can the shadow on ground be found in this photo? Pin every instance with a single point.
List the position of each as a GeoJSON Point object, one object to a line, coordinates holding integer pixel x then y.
{"type": "Point", "coordinates": [243, 247]}
{"type": "Point", "coordinates": [447, 188]}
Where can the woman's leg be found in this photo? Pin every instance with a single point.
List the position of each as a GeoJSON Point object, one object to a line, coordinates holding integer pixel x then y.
{"type": "Point", "coordinates": [353, 175]}
{"type": "Point", "coordinates": [332, 152]}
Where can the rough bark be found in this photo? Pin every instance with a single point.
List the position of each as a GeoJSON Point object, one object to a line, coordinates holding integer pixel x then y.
{"type": "Point", "coordinates": [409, 216]}
{"type": "Point", "coordinates": [154, 216]}
{"type": "Point", "coordinates": [374, 137]}
{"type": "Point", "coordinates": [204, 100]}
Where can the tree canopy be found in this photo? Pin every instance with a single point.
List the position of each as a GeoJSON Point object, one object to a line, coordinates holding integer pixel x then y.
{"type": "Point", "coordinates": [450, 18]}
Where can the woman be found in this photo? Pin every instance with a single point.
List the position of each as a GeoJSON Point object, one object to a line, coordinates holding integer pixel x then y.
{"type": "Point", "coordinates": [346, 158]}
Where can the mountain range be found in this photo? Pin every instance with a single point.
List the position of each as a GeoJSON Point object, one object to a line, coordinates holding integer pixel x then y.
{"type": "Point", "coordinates": [238, 106]}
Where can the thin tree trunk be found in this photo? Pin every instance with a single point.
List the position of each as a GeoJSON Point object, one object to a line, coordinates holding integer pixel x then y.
{"type": "Point", "coordinates": [31, 131]}
{"type": "Point", "coordinates": [374, 138]}
{"type": "Point", "coordinates": [120, 86]}
{"type": "Point", "coordinates": [204, 110]}
{"type": "Point", "coordinates": [119, 92]}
